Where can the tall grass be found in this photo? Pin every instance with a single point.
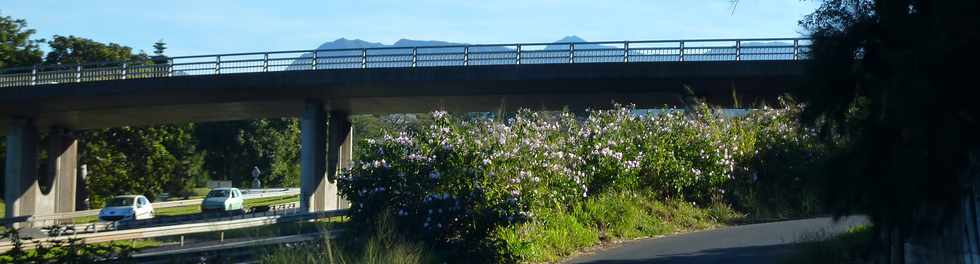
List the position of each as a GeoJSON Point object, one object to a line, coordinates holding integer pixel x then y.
{"type": "Point", "coordinates": [554, 234]}
{"type": "Point", "coordinates": [383, 245]}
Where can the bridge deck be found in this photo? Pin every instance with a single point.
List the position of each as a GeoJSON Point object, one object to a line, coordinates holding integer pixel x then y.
{"type": "Point", "coordinates": [402, 79]}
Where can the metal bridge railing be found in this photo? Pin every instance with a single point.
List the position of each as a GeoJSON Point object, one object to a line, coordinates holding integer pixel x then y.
{"type": "Point", "coordinates": [412, 57]}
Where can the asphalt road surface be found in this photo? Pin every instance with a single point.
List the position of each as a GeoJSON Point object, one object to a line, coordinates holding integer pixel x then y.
{"type": "Point", "coordinates": [756, 243]}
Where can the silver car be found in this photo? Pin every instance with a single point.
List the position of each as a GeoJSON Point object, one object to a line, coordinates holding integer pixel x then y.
{"type": "Point", "coordinates": [222, 200]}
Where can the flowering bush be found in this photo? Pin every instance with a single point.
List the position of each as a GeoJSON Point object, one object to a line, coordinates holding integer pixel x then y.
{"type": "Point", "coordinates": [454, 181]}
{"type": "Point", "coordinates": [775, 179]}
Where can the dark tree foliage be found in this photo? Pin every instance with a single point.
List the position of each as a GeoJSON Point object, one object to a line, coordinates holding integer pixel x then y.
{"type": "Point", "coordinates": [893, 79]}
{"type": "Point", "coordinates": [143, 160]}
{"type": "Point", "coordinates": [16, 46]}
{"type": "Point", "coordinates": [235, 147]}
{"type": "Point", "coordinates": [76, 50]}
{"type": "Point", "coordinates": [159, 47]}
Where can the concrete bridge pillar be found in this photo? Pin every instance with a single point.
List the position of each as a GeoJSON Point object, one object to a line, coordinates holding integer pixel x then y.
{"type": "Point", "coordinates": [320, 159]}
{"type": "Point", "coordinates": [313, 141]}
{"type": "Point", "coordinates": [339, 155]}
{"type": "Point", "coordinates": [61, 176]}
{"type": "Point", "coordinates": [27, 193]}
{"type": "Point", "coordinates": [20, 174]}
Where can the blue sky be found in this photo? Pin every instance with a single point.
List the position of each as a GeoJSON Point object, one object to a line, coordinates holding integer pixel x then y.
{"type": "Point", "coordinates": [219, 26]}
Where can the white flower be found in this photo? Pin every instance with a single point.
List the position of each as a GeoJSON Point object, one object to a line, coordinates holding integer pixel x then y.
{"type": "Point", "coordinates": [632, 164]}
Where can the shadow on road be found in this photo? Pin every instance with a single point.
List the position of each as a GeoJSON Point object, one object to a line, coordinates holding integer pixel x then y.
{"type": "Point", "coordinates": [735, 255]}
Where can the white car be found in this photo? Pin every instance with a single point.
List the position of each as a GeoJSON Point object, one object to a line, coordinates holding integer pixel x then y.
{"type": "Point", "coordinates": [126, 207]}
{"type": "Point", "coordinates": [223, 199]}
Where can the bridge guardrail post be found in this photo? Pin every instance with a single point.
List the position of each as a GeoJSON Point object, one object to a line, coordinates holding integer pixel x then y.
{"type": "Point", "coordinates": [415, 53]}
{"type": "Point", "coordinates": [518, 54]}
{"type": "Point", "coordinates": [217, 64]}
{"type": "Point", "coordinates": [265, 62]}
{"type": "Point", "coordinates": [571, 53]}
{"type": "Point", "coordinates": [78, 73]}
{"type": "Point", "coordinates": [124, 70]}
{"type": "Point", "coordinates": [466, 56]}
{"type": "Point", "coordinates": [170, 68]}
{"type": "Point", "coordinates": [738, 50]}
{"type": "Point", "coordinates": [363, 58]}
{"type": "Point", "coordinates": [34, 75]}
{"type": "Point", "coordinates": [796, 49]}
{"type": "Point", "coordinates": [681, 52]}
{"type": "Point", "coordinates": [314, 61]}
{"type": "Point", "coordinates": [626, 52]}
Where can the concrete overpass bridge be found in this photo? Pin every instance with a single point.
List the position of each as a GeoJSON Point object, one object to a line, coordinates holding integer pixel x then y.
{"type": "Point", "coordinates": [324, 87]}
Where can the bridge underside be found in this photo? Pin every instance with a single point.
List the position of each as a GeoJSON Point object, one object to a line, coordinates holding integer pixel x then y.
{"type": "Point", "coordinates": [396, 90]}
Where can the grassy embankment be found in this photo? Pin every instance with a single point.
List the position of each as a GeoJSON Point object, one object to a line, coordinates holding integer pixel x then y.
{"type": "Point", "coordinates": [553, 236]}
{"type": "Point", "coordinates": [608, 218]}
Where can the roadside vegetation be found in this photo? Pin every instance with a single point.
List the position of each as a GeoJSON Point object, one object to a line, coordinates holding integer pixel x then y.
{"type": "Point", "coordinates": [69, 250]}
{"type": "Point", "coordinates": [385, 245]}
{"type": "Point", "coordinates": [539, 186]}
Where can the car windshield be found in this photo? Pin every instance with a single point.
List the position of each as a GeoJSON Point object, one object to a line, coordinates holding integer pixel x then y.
{"type": "Point", "coordinates": [119, 201]}
{"type": "Point", "coordinates": [219, 193]}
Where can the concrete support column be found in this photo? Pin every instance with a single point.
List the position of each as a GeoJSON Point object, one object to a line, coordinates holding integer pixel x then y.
{"type": "Point", "coordinates": [321, 157]}
{"type": "Point", "coordinates": [62, 170]}
{"type": "Point", "coordinates": [313, 141]}
{"type": "Point", "coordinates": [20, 180]}
{"type": "Point", "coordinates": [339, 155]}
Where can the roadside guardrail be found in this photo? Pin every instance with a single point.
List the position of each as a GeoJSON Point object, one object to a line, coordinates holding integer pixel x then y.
{"type": "Point", "coordinates": [62, 218]}
{"type": "Point", "coordinates": [181, 229]}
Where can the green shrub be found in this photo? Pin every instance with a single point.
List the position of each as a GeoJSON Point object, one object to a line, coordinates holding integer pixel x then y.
{"type": "Point", "coordinates": [776, 179]}
{"type": "Point", "coordinates": [494, 190]}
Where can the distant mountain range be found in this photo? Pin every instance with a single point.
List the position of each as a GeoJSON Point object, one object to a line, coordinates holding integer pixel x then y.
{"type": "Point", "coordinates": [342, 43]}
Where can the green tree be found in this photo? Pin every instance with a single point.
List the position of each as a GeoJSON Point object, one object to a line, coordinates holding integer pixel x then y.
{"type": "Point", "coordinates": [234, 147]}
{"type": "Point", "coordinates": [16, 46]}
{"type": "Point", "coordinates": [145, 160]}
{"type": "Point", "coordinates": [77, 50]}
{"type": "Point", "coordinates": [159, 47]}
{"type": "Point", "coordinates": [892, 79]}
